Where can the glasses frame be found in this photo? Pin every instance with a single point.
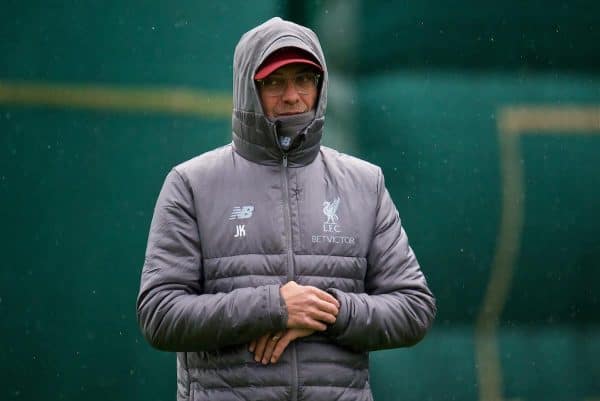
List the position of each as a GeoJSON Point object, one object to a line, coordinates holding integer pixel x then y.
{"type": "Point", "coordinates": [317, 80]}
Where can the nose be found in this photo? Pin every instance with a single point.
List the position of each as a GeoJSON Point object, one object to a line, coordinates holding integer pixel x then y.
{"type": "Point", "coordinates": [290, 95]}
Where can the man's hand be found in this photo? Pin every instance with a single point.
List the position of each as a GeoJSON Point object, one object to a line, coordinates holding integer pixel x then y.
{"type": "Point", "coordinates": [269, 347]}
{"type": "Point", "coordinates": [308, 307]}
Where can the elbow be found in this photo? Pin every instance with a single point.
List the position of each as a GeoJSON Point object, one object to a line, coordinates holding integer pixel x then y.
{"type": "Point", "coordinates": [423, 319]}
{"type": "Point", "coordinates": [418, 333]}
{"type": "Point", "coordinates": [154, 336]}
{"type": "Point", "coordinates": [150, 326]}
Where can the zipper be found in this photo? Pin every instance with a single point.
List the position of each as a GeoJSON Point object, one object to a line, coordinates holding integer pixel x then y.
{"type": "Point", "coordinates": [290, 262]}
{"type": "Point", "coordinates": [287, 217]}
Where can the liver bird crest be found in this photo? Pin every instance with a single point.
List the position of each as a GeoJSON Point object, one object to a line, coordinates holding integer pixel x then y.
{"type": "Point", "coordinates": [329, 209]}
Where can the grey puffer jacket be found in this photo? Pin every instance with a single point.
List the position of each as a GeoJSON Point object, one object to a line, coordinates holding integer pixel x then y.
{"type": "Point", "coordinates": [232, 225]}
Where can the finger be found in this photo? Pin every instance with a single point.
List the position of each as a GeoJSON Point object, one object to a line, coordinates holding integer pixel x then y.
{"type": "Point", "coordinates": [313, 320]}
{"type": "Point", "coordinates": [313, 324]}
{"type": "Point", "coordinates": [273, 340]}
{"type": "Point", "coordinates": [252, 346]}
{"type": "Point", "coordinates": [325, 296]}
{"type": "Point", "coordinates": [281, 346]}
{"type": "Point", "coordinates": [327, 307]}
{"type": "Point", "coordinates": [324, 317]}
{"type": "Point", "coordinates": [321, 310]}
{"type": "Point", "coordinates": [317, 303]}
{"type": "Point", "coordinates": [260, 347]}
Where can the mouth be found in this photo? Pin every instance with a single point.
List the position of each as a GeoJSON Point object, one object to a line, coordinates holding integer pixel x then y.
{"type": "Point", "coordinates": [290, 112]}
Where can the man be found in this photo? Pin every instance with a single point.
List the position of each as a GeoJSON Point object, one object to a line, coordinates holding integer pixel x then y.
{"type": "Point", "coordinates": [274, 264]}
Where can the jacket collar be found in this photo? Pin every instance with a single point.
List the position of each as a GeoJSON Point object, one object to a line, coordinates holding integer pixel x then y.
{"type": "Point", "coordinates": [255, 139]}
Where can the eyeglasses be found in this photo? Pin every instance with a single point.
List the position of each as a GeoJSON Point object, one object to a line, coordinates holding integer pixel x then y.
{"type": "Point", "coordinates": [276, 86]}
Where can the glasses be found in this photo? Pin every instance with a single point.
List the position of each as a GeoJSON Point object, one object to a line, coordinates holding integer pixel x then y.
{"type": "Point", "coordinates": [276, 86]}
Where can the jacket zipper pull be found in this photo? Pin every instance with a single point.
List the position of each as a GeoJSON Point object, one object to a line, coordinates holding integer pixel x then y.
{"type": "Point", "coordinates": [284, 160]}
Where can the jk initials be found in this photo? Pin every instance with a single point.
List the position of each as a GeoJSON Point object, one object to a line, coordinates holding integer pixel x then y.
{"type": "Point", "coordinates": [240, 231]}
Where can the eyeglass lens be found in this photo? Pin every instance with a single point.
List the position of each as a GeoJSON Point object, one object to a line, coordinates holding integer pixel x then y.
{"type": "Point", "coordinates": [304, 83]}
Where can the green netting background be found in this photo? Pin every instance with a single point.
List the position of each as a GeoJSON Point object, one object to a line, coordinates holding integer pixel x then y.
{"type": "Point", "coordinates": [416, 88]}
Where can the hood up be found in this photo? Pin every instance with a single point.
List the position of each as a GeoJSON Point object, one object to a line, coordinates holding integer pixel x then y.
{"type": "Point", "coordinates": [254, 135]}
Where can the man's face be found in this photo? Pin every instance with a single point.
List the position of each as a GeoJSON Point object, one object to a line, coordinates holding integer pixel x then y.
{"type": "Point", "coordinates": [290, 89]}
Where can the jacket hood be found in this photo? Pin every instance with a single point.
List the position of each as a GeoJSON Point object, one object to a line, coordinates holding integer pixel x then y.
{"type": "Point", "coordinates": [254, 135]}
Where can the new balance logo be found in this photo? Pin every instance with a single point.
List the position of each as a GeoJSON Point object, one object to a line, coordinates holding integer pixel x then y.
{"type": "Point", "coordinates": [241, 212]}
{"type": "Point", "coordinates": [240, 231]}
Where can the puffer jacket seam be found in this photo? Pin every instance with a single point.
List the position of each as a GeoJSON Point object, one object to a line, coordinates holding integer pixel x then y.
{"type": "Point", "coordinates": [213, 279]}
{"type": "Point", "coordinates": [325, 275]}
{"type": "Point", "coordinates": [245, 254]}
{"type": "Point", "coordinates": [332, 256]}
{"type": "Point", "coordinates": [247, 386]}
{"type": "Point", "coordinates": [359, 258]}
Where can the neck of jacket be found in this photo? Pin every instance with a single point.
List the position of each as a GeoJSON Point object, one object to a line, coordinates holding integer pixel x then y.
{"type": "Point", "coordinates": [255, 139]}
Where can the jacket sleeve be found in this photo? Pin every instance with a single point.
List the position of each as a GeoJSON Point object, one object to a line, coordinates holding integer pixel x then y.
{"type": "Point", "coordinates": [172, 311]}
{"type": "Point", "coordinates": [397, 307]}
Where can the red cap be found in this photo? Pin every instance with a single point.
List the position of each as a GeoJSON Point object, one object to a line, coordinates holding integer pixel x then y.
{"type": "Point", "coordinates": [285, 56]}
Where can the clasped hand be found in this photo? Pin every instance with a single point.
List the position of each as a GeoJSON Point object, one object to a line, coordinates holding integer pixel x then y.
{"type": "Point", "coordinates": [309, 309]}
